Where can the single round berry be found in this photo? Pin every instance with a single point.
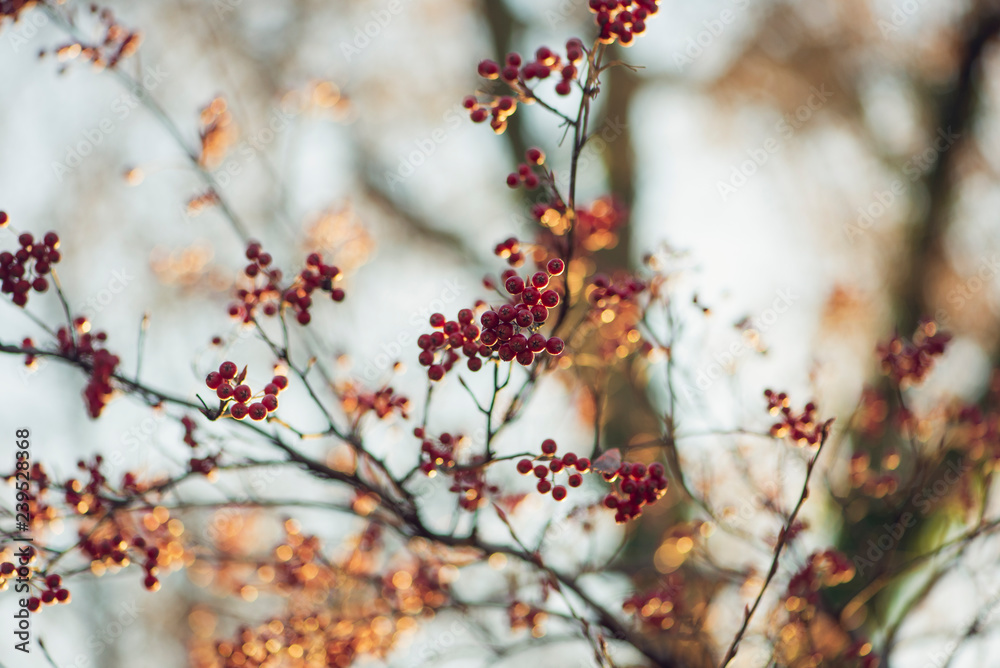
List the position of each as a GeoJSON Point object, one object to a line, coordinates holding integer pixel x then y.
{"type": "Point", "coordinates": [257, 411]}
{"type": "Point", "coordinates": [25, 239]}
{"type": "Point", "coordinates": [513, 180]}
{"type": "Point", "coordinates": [556, 465]}
{"type": "Point", "coordinates": [474, 364]}
{"type": "Point", "coordinates": [506, 312]}
{"type": "Point", "coordinates": [303, 318]}
{"type": "Point", "coordinates": [541, 471]}
{"type": "Point", "coordinates": [549, 446]}
{"type": "Point", "coordinates": [525, 358]}
{"type": "Point", "coordinates": [539, 279]}
{"type": "Point", "coordinates": [611, 501]}
{"type": "Point", "coordinates": [550, 298]}
{"type": "Point", "coordinates": [437, 320]}
{"type": "Point", "coordinates": [271, 388]}
{"type": "Point", "coordinates": [555, 266]}
{"type": "Point", "coordinates": [489, 319]}
{"type": "Point", "coordinates": [465, 316]}
{"type": "Point", "coordinates": [270, 402]}
{"type": "Point", "coordinates": [53, 581]}
{"type": "Point", "coordinates": [280, 381]}
{"type": "Point", "coordinates": [151, 583]}
{"type": "Point", "coordinates": [63, 596]}
{"type": "Point", "coordinates": [436, 372]}
{"type": "Point", "coordinates": [426, 358]}
{"type": "Point", "coordinates": [536, 343]}
{"type": "Point", "coordinates": [544, 486]}
{"type": "Point", "coordinates": [224, 391]}
{"type": "Point", "coordinates": [524, 466]}
{"type": "Point", "coordinates": [524, 318]}
{"type": "Point", "coordinates": [228, 370]}
{"type": "Point", "coordinates": [575, 480]}
{"type": "Point", "coordinates": [514, 285]}
{"type": "Point", "coordinates": [559, 493]}
{"type": "Point", "coordinates": [40, 284]}
{"type": "Point", "coordinates": [34, 604]}
{"type": "Point", "coordinates": [582, 464]}
{"type": "Point", "coordinates": [239, 411]}
{"type": "Point", "coordinates": [656, 470]}
{"type": "Point", "coordinates": [242, 393]}
{"type": "Point", "coordinates": [213, 380]}
{"type": "Point", "coordinates": [554, 346]}
{"type": "Point", "coordinates": [535, 156]}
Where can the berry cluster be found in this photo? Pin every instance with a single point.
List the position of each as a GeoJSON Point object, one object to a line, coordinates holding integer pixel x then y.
{"type": "Point", "coordinates": [621, 20]}
{"type": "Point", "coordinates": [265, 292]}
{"type": "Point", "coordinates": [823, 569]}
{"type": "Point", "coordinates": [228, 385]}
{"type": "Point", "coordinates": [118, 42]}
{"type": "Point", "coordinates": [607, 292]}
{"type": "Point", "coordinates": [507, 332]}
{"type": "Point", "coordinates": [521, 615]}
{"type": "Point", "coordinates": [803, 429]}
{"type": "Point", "coordinates": [315, 276]}
{"type": "Point", "coordinates": [51, 591]}
{"type": "Point", "coordinates": [637, 486]}
{"type": "Point", "coordinates": [384, 402]}
{"type": "Point", "coordinates": [470, 484]}
{"type": "Point", "coordinates": [908, 362]}
{"type": "Point", "coordinates": [115, 551]}
{"type": "Point", "coordinates": [25, 269]}
{"type": "Point", "coordinates": [659, 608]}
{"type": "Point", "coordinates": [546, 473]}
{"type": "Point", "coordinates": [439, 454]}
{"type": "Point", "coordinates": [88, 348]}
{"type": "Point", "coordinates": [517, 72]}
{"type": "Point", "coordinates": [525, 175]}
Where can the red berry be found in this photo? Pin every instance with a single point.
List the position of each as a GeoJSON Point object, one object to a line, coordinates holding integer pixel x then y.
{"type": "Point", "coordinates": [271, 388]}
{"type": "Point", "coordinates": [436, 372]}
{"type": "Point", "coordinates": [62, 596]}
{"type": "Point", "coordinates": [582, 464]}
{"type": "Point", "coordinates": [474, 364]}
{"type": "Point", "coordinates": [563, 87]}
{"type": "Point", "coordinates": [549, 446]}
{"type": "Point", "coordinates": [437, 320]}
{"type": "Point", "coordinates": [540, 279]}
{"type": "Point", "coordinates": [426, 358]}
{"type": "Point", "coordinates": [535, 155]}
{"type": "Point", "coordinates": [559, 493]}
{"type": "Point", "coordinates": [303, 318]}
{"type": "Point", "coordinates": [4, 218]}
{"type": "Point", "coordinates": [280, 381]}
{"type": "Point", "coordinates": [544, 486]}
{"type": "Point", "coordinates": [270, 402]}
{"type": "Point", "coordinates": [575, 480]}
{"type": "Point", "coordinates": [224, 391]}
{"type": "Point", "coordinates": [555, 266]}
{"type": "Point", "coordinates": [514, 285]}
{"type": "Point", "coordinates": [151, 583]}
{"type": "Point", "coordinates": [525, 358]}
{"type": "Point", "coordinates": [554, 346]}
{"type": "Point", "coordinates": [40, 284]}
{"type": "Point", "coordinates": [550, 298]}
{"type": "Point", "coordinates": [242, 393]}
{"type": "Point", "coordinates": [25, 239]}
{"type": "Point", "coordinates": [213, 380]}
{"type": "Point", "coordinates": [257, 411]}
{"type": "Point", "coordinates": [513, 180]}
{"type": "Point", "coordinates": [656, 470]}
{"type": "Point", "coordinates": [541, 471]}
{"type": "Point", "coordinates": [556, 465]}
{"type": "Point", "coordinates": [523, 467]}
{"type": "Point", "coordinates": [611, 501]}
{"type": "Point", "coordinates": [228, 370]}
{"type": "Point", "coordinates": [569, 458]}
{"type": "Point", "coordinates": [53, 581]}
{"type": "Point", "coordinates": [489, 319]}
{"type": "Point", "coordinates": [34, 604]}
{"type": "Point", "coordinates": [239, 411]}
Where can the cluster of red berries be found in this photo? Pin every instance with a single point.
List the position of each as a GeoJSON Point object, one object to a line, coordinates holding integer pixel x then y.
{"type": "Point", "coordinates": [25, 269]}
{"type": "Point", "coordinates": [803, 429]}
{"type": "Point", "coordinates": [637, 486]}
{"type": "Point", "coordinates": [228, 385]}
{"type": "Point", "coordinates": [116, 550]}
{"type": "Point", "coordinates": [621, 20]}
{"type": "Point", "coordinates": [525, 175]}
{"type": "Point", "coordinates": [86, 498]}
{"type": "Point", "coordinates": [88, 348]}
{"type": "Point", "coordinates": [189, 429]}
{"type": "Point", "coordinates": [265, 290]}
{"type": "Point", "coordinates": [546, 473]}
{"type": "Point", "coordinates": [517, 72]}
{"type": "Point", "coordinates": [609, 291]}
{"type": "Point", "coordinates": [506, 332]}
{"type": "Point", "coordinates": [521, 615]}
{"type": "Point", "coordinates": [315, 276]}
{"type": "Point", "coordinates": [908, 362]}
{"type": "Point", "coordinates": [436, 454]}
{"type": "Point", "coordinates": [52, 594]}
{"type": "Point", "coordinates": [383, 402]}
{"type": "Point", "coordinates": [659, 608]}
{"type": "Point", "coordinates": [823, 569]}
{"type": "Point", "coordinates": [470, 484]}
{"type": "Point", "coordinates": [510, 250]}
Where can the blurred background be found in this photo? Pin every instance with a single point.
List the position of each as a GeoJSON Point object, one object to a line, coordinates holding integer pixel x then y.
{"type": "Point", "coordinates": [816, 175]}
